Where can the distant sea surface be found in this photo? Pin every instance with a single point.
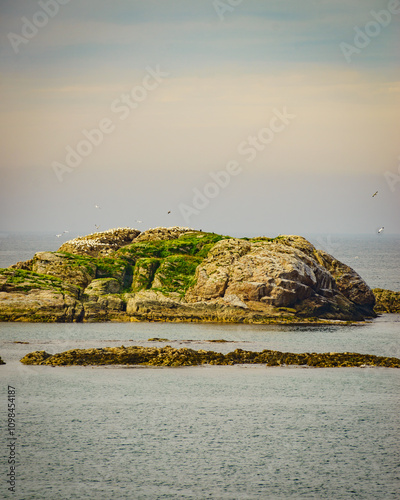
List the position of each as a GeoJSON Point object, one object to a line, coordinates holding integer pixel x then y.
{"type": "Point", "coordinates": [212, 432]}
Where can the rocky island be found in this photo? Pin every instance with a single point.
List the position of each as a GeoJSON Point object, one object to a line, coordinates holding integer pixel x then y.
{"type": "Point", "coordinates": [180, 274]}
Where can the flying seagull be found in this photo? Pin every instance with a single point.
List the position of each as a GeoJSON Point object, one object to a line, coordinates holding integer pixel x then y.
{"type": "Point", "coordinates": [139, 221]}
{"type": "Point", "coordinates": [97, 206]}
{"type": "Point", "coordinates": [97, 227]}
{"type": "Point", "coordinates": [375, 194]}
{"type": "Point", "coordinates": [59, 235]}
{"type": "Point", "coordinates": [380, 230]}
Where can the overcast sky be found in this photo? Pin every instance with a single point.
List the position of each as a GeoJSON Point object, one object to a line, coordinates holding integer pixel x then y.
{"type": "Point", "coordinates": [265, 117]}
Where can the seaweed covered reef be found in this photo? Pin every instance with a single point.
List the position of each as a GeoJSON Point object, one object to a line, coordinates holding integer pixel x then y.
{"type": "Point", "coordinates": [169, 356]}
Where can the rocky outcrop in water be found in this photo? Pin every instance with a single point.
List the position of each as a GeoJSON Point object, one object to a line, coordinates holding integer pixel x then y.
{"type": "Point", "coordinates": [179, 274]}
{"type": "Point", "coordinates": [387, 301]}
{"type": "Point", "coordinates": [284, 272]}
{"type": "Point", "coordinates": [169, 356]}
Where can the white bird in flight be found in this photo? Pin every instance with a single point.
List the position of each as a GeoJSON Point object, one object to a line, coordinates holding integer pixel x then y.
{"type": "Point", "coordinates": [97, 206]}
{"type": "Point", "coordinates": [380, 230]}
{"type": "Point", "coordinates": [59, 235]}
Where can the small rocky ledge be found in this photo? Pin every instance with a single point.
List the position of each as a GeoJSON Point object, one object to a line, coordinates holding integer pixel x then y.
{"type": "Point", "coordinates": [387, 301]}
{"type": "Point", "coordinates": [169, 356]}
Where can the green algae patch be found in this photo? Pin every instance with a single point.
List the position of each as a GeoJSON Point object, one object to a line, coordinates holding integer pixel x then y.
{"type": "Point", "coordinates": [101, 267]}
{"type": "Point", "coordinates": [23, 281]}
{"type": "Point", "coordinates": [143, 273]}
{"type": "Point", "coordinates": [176, 274]}
{"type": "Point", "coordinates": [168, 266]}
{"type": "Point", "coordinates": [169, 356]}
{"type": "Point", "coordinates": [193, 243]}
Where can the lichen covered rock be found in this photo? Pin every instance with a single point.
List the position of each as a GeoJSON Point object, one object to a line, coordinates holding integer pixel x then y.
{"type": "Point", "coordinates": [284, 272]}
{"type": "Point", "coordinates": [100, 243]}
{"type": "Point", "coordinates": [103, 286]}
{"type": "Point", "coordinates": [387, 301]}
{"type": "Point", "coordinates": [163, 233]}
{"type": "Point", "coordinates": [58, 265]}
{"type": "Point", "coordinates": [28, 296]}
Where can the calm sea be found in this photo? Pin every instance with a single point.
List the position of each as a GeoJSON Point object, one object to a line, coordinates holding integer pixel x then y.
{"type": "Point", "coordinates": [240, 432]}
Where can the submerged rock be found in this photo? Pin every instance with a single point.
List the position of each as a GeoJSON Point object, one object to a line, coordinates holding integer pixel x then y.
{"type": "Point", "coordinates": [169, 356]}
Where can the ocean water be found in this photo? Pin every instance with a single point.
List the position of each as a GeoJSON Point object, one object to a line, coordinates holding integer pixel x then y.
{"type": "Point", "coordinates": [235, 432]}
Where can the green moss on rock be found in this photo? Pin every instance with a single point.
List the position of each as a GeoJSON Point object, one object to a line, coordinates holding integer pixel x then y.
{"type": "Point", "coordinates": [143, 273]}
{"type": "Point", "coordinates": [192, 243]}
{"type": "Point", "coordinates": [18, 280]}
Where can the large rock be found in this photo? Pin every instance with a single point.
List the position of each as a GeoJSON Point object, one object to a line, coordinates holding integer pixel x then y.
{"type": "Point", "coordinates": [59, 265]}
{"type": "Point", "coordinates": [103, 286]}
{"type": "Point", "coordinates": [163, 233]}
{"type": "Point", "coordinates": [101, 243]}
{"type": "Point", "coordinates": [285, 272]}
{"type": "Point", "coordinates": [27, 296]}
{"type": "Point", "coordinates": [104, 308]}
{"type": "Point", "coordinates": [143, 274]}
{"type": "Point", "coordinates": [348, 282]}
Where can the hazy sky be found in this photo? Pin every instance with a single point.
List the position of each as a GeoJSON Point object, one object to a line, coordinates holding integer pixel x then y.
{"type": "Point", "coordinates": [252, 117]}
